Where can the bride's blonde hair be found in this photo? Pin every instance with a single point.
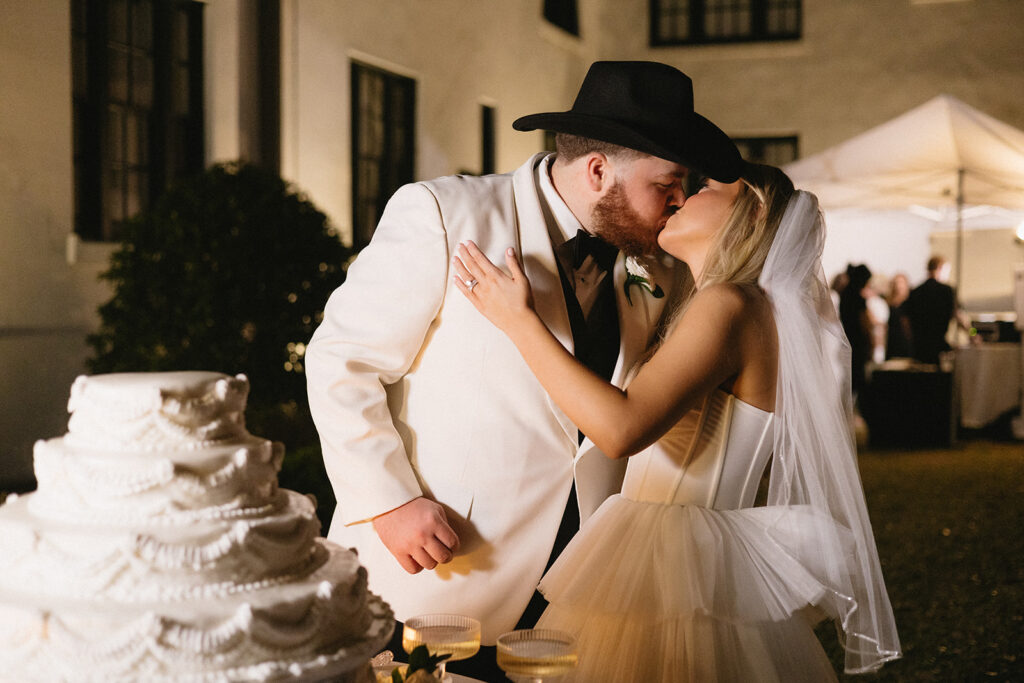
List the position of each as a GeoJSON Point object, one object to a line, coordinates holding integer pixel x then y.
{"type": "Point", "coordinates": [739, 250]}
{"type": "Point", "coordinates": [741, 246]}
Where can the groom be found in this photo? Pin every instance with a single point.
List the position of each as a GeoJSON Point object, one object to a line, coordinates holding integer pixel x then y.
{"type": "Point", "coordinates": [444, 451]}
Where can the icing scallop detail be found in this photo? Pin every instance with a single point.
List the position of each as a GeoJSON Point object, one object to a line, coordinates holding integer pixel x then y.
{"type": "Point", "coordinates": [251, 543]}
{"type": "Point", "coordinates": [81, 486]}
{"type": "Point", "coordinates": [65, 563]}
{"type": "Point", "coordinates": [111, 414]}
{"type": "Point", "coordinates": [147, 650]}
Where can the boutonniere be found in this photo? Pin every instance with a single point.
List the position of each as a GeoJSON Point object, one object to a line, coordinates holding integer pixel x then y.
{"type": "Point", "coordinates": [638, 274]}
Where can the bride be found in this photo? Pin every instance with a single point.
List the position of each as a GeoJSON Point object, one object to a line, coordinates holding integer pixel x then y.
{"type": "Point", "coordinates": [679, 577]}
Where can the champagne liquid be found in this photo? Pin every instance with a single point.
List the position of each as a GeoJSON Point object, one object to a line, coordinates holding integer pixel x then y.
{"type": "Point", "coordinates": [538, 658]}
{"type": "Point", "coordinates": [384, 675]}
{"type": "Point", "coordinates": [442, 640]}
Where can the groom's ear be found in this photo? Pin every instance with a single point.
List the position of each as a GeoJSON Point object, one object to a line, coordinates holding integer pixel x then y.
{"type": "Point", "coordinates": [599, 171]}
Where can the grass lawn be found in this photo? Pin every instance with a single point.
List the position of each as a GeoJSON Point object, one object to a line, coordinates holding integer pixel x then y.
{"type": "Point", "coordinates": [948, 525]}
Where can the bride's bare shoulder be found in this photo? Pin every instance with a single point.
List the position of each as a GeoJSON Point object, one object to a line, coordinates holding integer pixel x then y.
{"type": "Point", "coordinates": [731, 299]}
{"type": "Point", "coordinates": [738, 311]}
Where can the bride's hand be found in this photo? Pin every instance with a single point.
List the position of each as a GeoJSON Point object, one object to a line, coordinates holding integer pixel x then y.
{"type": "Point", "coordinates": [506, 300]}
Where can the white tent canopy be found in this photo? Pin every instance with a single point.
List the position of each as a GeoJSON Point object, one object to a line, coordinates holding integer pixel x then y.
{"type": "Point", "coordinates": [943, 164]}
{"type": "Point", "coordinates": [920, 158]}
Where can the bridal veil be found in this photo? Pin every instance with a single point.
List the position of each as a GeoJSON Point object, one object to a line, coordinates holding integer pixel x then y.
{"type": "Point", "coordinates": [814, 462]}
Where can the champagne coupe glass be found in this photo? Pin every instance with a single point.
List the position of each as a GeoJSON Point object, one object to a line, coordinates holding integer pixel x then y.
{"type": "Point", "coordinates": [536, 655]}
{"type": "Point", "coordinates": [443, 634]}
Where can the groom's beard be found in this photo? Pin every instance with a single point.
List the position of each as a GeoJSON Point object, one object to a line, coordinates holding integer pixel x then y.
{"type": "Point", "coordinates": [614, 220]}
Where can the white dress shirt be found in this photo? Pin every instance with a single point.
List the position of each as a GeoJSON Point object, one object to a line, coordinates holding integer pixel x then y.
{"type": "Point", "coordinates": [562, 226]}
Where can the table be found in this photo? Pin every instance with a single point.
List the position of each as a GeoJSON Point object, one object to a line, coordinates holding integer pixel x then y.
{"type": "Point", "coordinates": [988, 381]}
{"type": "Point", "coordinates": [909, 407]}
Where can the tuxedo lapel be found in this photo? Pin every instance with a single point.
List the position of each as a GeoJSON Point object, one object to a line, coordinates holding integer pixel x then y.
{"type": "Point", "coordinates": [638, 316]}
{"type": "Point", "coordinates": [538, 257]}
{"type": "Point", "coordinates": [541, 267]}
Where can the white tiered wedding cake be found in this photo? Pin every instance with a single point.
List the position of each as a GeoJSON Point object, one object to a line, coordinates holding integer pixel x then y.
{"type": "Point", "coordinates": [158, 547]}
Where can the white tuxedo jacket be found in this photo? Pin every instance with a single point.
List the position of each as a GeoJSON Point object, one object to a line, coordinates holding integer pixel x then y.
{"type": "Point", "coordinates": [415, 393]}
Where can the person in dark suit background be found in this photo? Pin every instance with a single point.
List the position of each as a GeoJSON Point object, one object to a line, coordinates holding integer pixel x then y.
{"type": "Point", "coordinates": [929, 308]}
{"type": "Point", "coordinates": [858, 323]}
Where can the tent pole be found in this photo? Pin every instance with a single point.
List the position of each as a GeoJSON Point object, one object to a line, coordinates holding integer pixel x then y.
{"type": "Point", "coordinates": [959, 230]}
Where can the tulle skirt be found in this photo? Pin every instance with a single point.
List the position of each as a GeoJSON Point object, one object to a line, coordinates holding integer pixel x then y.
{"type": "Point", "coordinates": [681, 593]}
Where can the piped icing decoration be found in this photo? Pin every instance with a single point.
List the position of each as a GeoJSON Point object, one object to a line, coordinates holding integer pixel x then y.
{"type": "Point", "coordinates": [135, 410]}
{"type": "Point", "coordinates": [50, 565]}
{"type": "Point", "coordinates": [253, 544]}
{"type": "Point", "coordinates": [199, 641]}
{"type": "Point", "coordinates": [101, 480]}
{"type": "Point", "coordinates": [73, 485]}
{"type": "Point", "coordinates": [146, 649]}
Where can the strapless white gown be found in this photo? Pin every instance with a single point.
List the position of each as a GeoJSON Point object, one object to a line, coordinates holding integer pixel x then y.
{"type": "Point", "coordinates": [678, 579]}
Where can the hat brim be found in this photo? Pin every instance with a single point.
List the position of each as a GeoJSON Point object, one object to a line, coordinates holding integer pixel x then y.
{"type": "Point", "coordinates": [697, 144]}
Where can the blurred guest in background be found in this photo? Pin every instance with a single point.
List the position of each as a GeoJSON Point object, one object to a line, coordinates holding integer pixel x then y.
{"type": "Point", "coordinates": [929, 308]}
{"type": "Point", "coordinates": [858, 323]}
{"type": "Point", "coordinates": [897, 338]}
{"type": "Point", "coordinates": [878, 308]}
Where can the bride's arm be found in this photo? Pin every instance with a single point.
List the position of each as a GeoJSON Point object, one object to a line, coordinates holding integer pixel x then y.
{"type": "Point", "coordinates": [698, 355]}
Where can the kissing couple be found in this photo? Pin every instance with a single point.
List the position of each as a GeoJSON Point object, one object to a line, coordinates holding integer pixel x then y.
{"type": "Point", "coordinates": [547, 398]}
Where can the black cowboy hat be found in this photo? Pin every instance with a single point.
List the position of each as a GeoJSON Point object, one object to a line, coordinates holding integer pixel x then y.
{"type": "Point", "coordinates": [646, 106]}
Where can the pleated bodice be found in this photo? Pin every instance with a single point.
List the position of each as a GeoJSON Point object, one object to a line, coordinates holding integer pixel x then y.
{"type": "Point", "coordinates": [713, 457]}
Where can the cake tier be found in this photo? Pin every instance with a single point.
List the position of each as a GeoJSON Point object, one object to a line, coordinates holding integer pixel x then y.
{"type": "Point", "coordinates": [324, 626]}
{"type": "Point", "coordinates": [156, 411]}
{"type": "Point", "coordinates": [140, 563]}
{"type": "Point", "coordinates": [127, 486]}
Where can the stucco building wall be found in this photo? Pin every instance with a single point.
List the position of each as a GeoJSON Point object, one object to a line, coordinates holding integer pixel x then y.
{"type": "Point", "coordinates": [461, 54]}
{"type": "Point", "coordinates": [47, 305]}
{"type": "Point", "coordinates": [859, 63]}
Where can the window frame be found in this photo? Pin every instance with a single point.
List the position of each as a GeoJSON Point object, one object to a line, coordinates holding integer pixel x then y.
{"type": "Point", "coordinates": [388, 179]}
{"type": "Point", "coordinates": [488, 139]}
{"type": "Point", "coordinates": [564, 14]}
{"type": "Point", "coordinates": [99, 154]}
{"type": "Point", "coordinates": [762, 141]}
{"type": "Point", "coordinates": [697, 10]}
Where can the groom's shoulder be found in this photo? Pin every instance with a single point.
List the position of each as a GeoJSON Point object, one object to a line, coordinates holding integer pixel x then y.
{"type": "Point", "coordinates": [466, 195]}
{"type": "Point", "coordinates": [464, 187]}
{"type": "Point", "coordinates": [469, 188]}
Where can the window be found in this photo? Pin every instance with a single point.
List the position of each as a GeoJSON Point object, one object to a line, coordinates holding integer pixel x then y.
{"type": "Point", "coordinates": [267, 151]}
{"type": "Point", "coordinates": [682, 22]}
{"type": "Point", "coordinates": [487, 140]}
{"type": "Point", "coordinates": [774, 151]}
{"type": "Point", "coordinates": [137, 106]}
{"type": "Point", "coordinates": [383, 139]}
{"type": "Point", "coordinates": [563, 14]}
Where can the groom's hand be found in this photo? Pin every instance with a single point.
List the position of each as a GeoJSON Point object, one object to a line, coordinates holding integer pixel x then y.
{"type": "Point", "coordinates": [417, 534]}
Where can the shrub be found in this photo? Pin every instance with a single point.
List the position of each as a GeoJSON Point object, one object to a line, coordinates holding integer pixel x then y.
{"type": "Point", "coordinates": [229, 271]}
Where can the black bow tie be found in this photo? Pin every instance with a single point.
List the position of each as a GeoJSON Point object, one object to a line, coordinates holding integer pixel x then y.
{"type": "Point", "coordinates": [584, 244]}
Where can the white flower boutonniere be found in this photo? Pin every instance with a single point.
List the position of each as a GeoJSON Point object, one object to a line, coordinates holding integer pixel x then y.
{"type": "Point", "coordinates": [637, 273]}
